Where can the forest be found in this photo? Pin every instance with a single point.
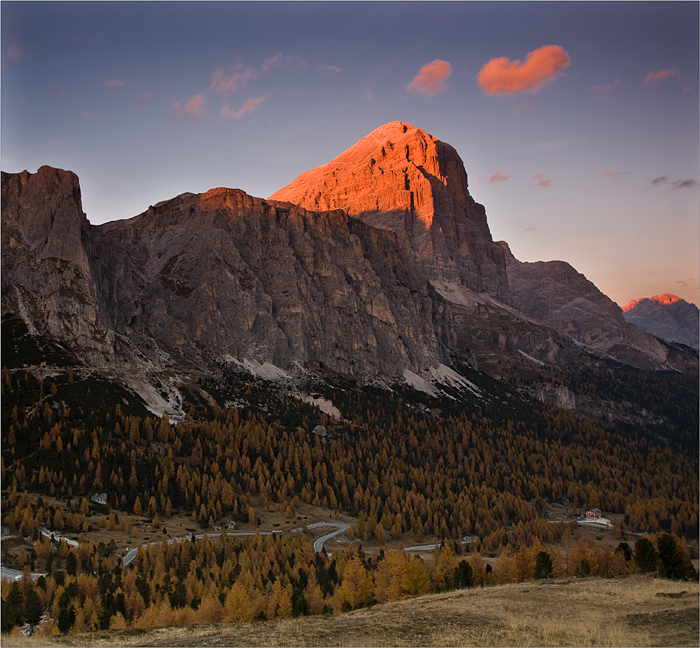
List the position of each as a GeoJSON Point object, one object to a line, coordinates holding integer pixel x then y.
{"type": "Point", "coordinates": [402, 464]}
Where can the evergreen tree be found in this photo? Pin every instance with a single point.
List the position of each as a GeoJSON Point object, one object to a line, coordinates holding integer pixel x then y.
{"type": "Point", "coordinates": [543, 565]}
{"type": "Point", "coordinates": [645, 556]}
{"type": "Point", "coordinates": [670, 558]}
{"type": "Point", "coordinates": [33, 608]}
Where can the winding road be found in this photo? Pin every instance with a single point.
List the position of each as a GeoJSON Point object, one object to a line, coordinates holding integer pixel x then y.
{"type": "Point", "coordinates": [340, 527]}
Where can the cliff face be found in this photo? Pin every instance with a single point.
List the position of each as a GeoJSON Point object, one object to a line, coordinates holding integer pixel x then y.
{"type": "Point", "coordinates": [666, 316]}
{"type": "Point", "coordinates": [47, 275]}
{"type": "Point", "coordinates": [206, 279]}
{"type": "Point", "coordinates": [402, 179]}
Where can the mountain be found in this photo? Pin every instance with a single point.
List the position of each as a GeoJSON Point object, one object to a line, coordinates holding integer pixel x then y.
{"type": "Point", "coordinates": [402, 179]}
{"type": "Point", "coordinates": [384, 272]}
{"type": "Point", "coordinates": [666, 316]}
{"type": "Point", "coordinates": [557, 294]}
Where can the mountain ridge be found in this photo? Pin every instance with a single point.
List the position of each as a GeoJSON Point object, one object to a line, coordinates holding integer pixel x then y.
{"type": "Point", "coordinates": [222, 280]}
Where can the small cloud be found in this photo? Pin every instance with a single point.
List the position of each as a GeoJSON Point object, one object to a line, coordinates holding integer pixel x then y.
{"type": "Point", "coordinates": [606, 87]}
{"type": "Point", "coordinates": [249, 106]}
{"type": "Point", "coordinates": [499, 176]}
{"type": "Point", "coordinates": [501, 76]}
{"type": "Point", "coordinates": [278, 61]}
{"type": "Point", "coordinates": [656, 182]}
{"type": "Point", "coordinates": [15, 52]}
{"type": "Point", "coordinates": [531, 230]}
{"type": "Point", "coordinates": [541, 180]}
{"type": "Point", "coordinates": [114, 83]}
{"type": "Point", "coordinates": [54, 93]}
{"type": "Point", "coordinates": [232, 81]}
{"type": "Point", "coordinates": [613, 174]}
{"type": "Point", "coordinates": [431, 78]}
{"type": "Point", "coordinates": [193, 109]}
{"type": "Point", "coordinates": [369, 94]}
{"type": "Point", "coordinates": [684, 184]}
{"type": "Point", "coordinates": [329, 68]}
{"type": "Point", "coordinates": [660, 76]}
{"type": "Point", "coordinates": [143, 100]}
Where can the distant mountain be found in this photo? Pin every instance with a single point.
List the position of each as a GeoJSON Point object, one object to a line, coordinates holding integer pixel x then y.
{"type": "Point", "coordinates": [666, 316]}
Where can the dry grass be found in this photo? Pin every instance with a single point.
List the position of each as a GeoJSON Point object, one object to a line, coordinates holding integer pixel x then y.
{"type": "Point", "coordinates": [632, 611]}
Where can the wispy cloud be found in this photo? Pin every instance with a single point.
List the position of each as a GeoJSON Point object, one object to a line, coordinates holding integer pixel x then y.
{"type": "Point", "coordinates": [499, 176]}
{"type": "Point", "coordinates": [502, 76]}
{"type": "Point", "coordinates": [329, 68]}
{"type": "Point", "coordinates": [249, 106]}
{"type": "Point", "coordinates": [223, 81]}
{"type": "Point", "coordinates": [193, 109]}
{"type": "Point", "coordinates": [541, 180]}
{"type": "Point", "coordinates": [663, 74]}
{"type": "Point", "coordinates": [605, 88]}
{"type": "Point", "coordinates": [662, 181]}
{"type": "Point", "coordinates": [431, 78]}
{"type": "Point", "coordinates": [143, 100]}
{"type": "Point", "coordinates": [114, 83]}
{"type": "Point", "coordinates": [613, 175]}
{"type": "Point", "coordinates": [280, 60]}
{"type": "Point", "coordinates": [684, 184]}
{"type": "Point", "coordinates": [15, 53]}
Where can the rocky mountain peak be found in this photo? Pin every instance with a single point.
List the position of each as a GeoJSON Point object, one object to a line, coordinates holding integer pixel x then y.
{"type": "Point", "coordinates": [666, 316]}
{"type": "Point", "coordinates": [665, 299]}
{"type": "Point", "coordinates": [403, 179]}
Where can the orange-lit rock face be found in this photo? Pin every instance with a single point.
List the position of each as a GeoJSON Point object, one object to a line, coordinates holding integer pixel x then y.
{"type": "Point", "coordinates": [666, 298]}
{"type": "Point", "coordinates": [403, 179]}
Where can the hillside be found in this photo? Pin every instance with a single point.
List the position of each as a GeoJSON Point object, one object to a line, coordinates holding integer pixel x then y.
{"type": "Point", "coordinates": [634, 611]}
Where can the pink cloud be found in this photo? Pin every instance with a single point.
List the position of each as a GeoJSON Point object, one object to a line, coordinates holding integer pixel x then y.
{"type": "Point", "coordinates": [541, 180]}
{"type": "Point", "coordinates": [329, 68]}
{"type": "Point", "coordinates": [277, 61]}
{"type": "Point", "coordinates": [613, 174]}
{"type": "Point", "coordinates": [249, 106]}
{"type": "Point", "coordinates": [193, 109]}
{"type": "Point", "coordinates": [431, 78]}
{"type": "Point", "coordinates": [223, 82]}
{"type": "Point", "coordinates": [606, 87]}
{"type": "Point", "coordinates": [664, 74]}
{"type": "Point", "coordinates": [114, 83]}
{"type": "Point", "coordinates": [501, 76]}
{"type": "Point", "coordinates": [15, 52]}
{"type": "Point", "coordinates": [499, 176]}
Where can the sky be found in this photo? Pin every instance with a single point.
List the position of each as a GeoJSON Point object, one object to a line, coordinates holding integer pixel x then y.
{"type": "Point", "coordinates": [578, 123]}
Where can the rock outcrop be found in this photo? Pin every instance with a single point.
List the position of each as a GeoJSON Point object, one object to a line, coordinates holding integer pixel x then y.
{"type": "Point", "coordinates": [402, 179]}
{"type": "Point", "coordinates": [47, 277]}
{"type": "Point", "coordinates": [666, 316]}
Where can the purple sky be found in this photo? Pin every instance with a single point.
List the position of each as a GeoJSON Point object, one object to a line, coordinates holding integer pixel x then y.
{"type": "Point", "coordinates": [577, 122]}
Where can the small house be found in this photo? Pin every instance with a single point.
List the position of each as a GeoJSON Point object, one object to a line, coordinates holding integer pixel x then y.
{"type": "Point", "coordinates": [594, 514]}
